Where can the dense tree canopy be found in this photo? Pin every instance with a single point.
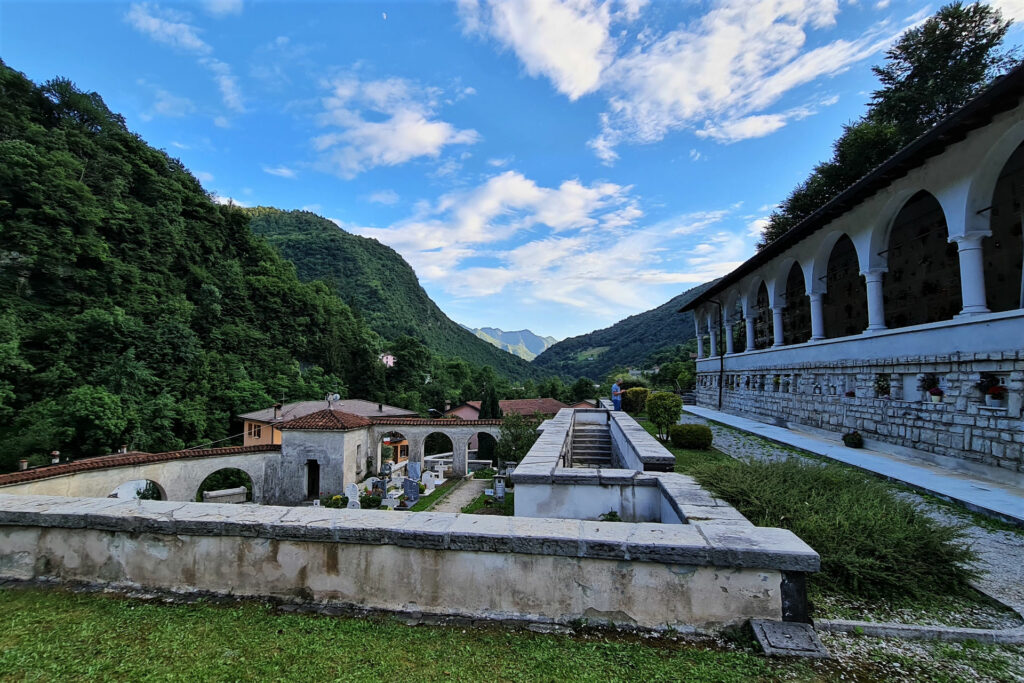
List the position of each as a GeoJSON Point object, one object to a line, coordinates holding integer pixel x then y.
{"type": "Point", "coordinates": [931, 71]}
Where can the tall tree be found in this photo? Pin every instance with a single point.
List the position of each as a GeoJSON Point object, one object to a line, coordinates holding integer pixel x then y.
{"type": "Point", "coordinates": [490, 408]}
{"type": "Point", "coordinates": [931, 71]}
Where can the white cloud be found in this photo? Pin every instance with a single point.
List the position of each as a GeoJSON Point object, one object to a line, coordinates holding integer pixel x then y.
{"type": "Point", "coordinates": [719, 73]}
{"type": "Point", "coordinates": [167, 104]}
{"type": "Point", "coordinates": [229, 201]}
{"type": "Point", "coordinates": [172, 27]}
{"type": "Point", "coordinates": [222, 8]}
{"type": "Point", "coordinates": [695, 155]}
{"type": "Point", "coordinates": [500, 162]}
{"type": "Point", "coordinates": [167, 27]}
{"type": "Point", "coordinates": [1011, 9]}
{"type": "Point", "coordinates": [401, 125]}
{"type": "Point", "coordinates": [221, 122]}
{"type": "Point", "coordinates": [386, 197]}
{"type": "Point", "coordinates": [281, 171]}
{"type": "Point", "coordinates": [230, 92]}
{"type": "Point", "coordinates": [567, 41]}
{"type": "Point", "coordinates": [203, 176]}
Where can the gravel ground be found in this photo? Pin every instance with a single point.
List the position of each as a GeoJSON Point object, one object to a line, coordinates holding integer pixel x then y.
{"type": "Point", "coordinates": [1001, 552]}
{"type": "Point", "coordinates": [468, 491]}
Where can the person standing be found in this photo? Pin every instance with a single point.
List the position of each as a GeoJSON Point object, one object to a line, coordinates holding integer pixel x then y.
{"type": "Point", "coordinates": [616, 396]}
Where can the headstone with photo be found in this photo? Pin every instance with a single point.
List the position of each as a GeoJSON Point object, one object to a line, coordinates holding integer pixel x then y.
{"type": "Point", "coordinates": [411, 489]}
{"type": "Point", "coordinates": [499, 486]}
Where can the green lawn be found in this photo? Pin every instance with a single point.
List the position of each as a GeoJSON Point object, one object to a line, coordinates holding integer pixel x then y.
{"type": "Point", "coordinates": [51, 635]}
{"type": "Point", "coordinates": [439, 492]}
{"type": "Point", "coordinates": [485, 502]}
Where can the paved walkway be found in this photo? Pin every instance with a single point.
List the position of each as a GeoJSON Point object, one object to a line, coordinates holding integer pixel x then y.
{"type": "Point", "coordinates": [468, 491]}
{"type": "Point", "coordinates": [971, 491]}
{"type": "Point", "coordinates": [1001, 553]}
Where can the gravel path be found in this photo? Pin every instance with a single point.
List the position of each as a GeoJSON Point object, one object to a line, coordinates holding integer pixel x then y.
{"type": "Point", "coordinates": [1001, 552]}
{"type": "Point", "coordinates": [468, 491]}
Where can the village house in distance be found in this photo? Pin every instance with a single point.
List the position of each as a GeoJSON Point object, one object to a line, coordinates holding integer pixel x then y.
{"type": "Point", "coordinates": [897, 308]}
{"type": "Point", "coordinates": [262, 426]}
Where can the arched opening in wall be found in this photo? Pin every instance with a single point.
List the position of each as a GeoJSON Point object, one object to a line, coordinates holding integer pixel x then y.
{"type": "Point", "coordinates": [394, 449]}
{"type": "Point", "coordinates": [796, 317]}
{"type": "Point", "coordinates": [1004, 250]}
{"type": "Point", "coordinates": [739, 328]}
{"type": "Point", "coordinates": [922, 284]}
{"type": "Point", "coordinates": [845, 303]}
{"type": "Point", "coordinates": [764, 336]}
{"type": "Point", "coordinates": [483, 446]}
{"type": "Point", "coordinates": [222, 480]}
{"type": "Point", "coordinates": [438, 448]}
{"type": "Point", "coordinates": [140, 489]}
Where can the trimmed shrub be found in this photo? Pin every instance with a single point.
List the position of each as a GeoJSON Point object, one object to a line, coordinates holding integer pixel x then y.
{"type": "Point", "coordinates": [663, 410]}
{"type": "Point", "coordinates": [634, 400]}
{"type": "Point", "coordinates": [872, 543]}
{"type": "Point", "coordinates": [853, 440]}
{"type": "Point", "coordinates": [368, 502]}
{"type": "Point", "coordinates": [697, 437]}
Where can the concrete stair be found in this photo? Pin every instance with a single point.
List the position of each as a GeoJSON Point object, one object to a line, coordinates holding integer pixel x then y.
{"type": "Point", "coordinates": [591, 446]}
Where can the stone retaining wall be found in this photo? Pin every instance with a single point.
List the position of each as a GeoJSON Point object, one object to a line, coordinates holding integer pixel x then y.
{"type": "Point", "coordinates": [548, 570]}
{"type": "Point", "coordinates": [961, 426]}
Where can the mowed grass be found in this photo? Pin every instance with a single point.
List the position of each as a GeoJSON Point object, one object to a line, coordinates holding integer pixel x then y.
{"type": "Point", "coordinates": [871, 541]}
{"type": "Point", "coordinates": [52, 635]}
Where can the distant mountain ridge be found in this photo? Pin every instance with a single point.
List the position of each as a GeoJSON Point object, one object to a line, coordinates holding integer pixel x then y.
{"type": "Point", "coordinates": [522, 343]}
{"type": "Point", "coordinates": [627, 342]}
{"type": "Point", "coordinates": [376, 281]}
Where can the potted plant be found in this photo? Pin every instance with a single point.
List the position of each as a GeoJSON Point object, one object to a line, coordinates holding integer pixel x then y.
{"type": "Point", "coordinates": [853, 440]}
{"type": "Point", "coordinates": [776, 381]}
{"type": "Point", "coordinates": [851, 394]}
{"type": "Point", "coordinates": [882, 388]}
{"type": "Point", "coordinates": [996, 396]}
{"type": "Point", "coordinates": [936, 394]}
{"type": "Point", "coordinates": [930, 383]}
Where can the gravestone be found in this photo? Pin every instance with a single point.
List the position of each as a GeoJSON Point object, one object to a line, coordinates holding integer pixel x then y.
{"type": "Point", "coordinates": [353, 504]}
{"type": "Point", "coordinates": [389, 503]}
{"type": "Point", "coordinates": [379, 488]}
{"type": "Point", "coordinates": [411, 489]}
{"type": "Point", "coordinates": [414, 469]}
{"type": "Point", "coordinates": [788, 639]}
{"type": "Point", "coordinates": [352, 492]}
{"type": "Point", "coordinates": [428, 481]}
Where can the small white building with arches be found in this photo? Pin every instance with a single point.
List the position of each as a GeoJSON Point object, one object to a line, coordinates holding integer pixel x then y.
{"type": "Point", "coordinates": [911, 277]}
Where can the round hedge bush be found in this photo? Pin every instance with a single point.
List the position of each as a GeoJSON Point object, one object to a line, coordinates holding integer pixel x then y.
{"type": "Point", "coordinates": [634, 400]}
{"type": "Point", "coordinates": [691, 436]}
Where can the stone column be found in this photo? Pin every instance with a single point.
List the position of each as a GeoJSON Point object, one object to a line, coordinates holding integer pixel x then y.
{"type": "Point", "coordinates": [700, 337]}
{"type": "Point", "coordinates": [416, 448]}
{"type": "Point", "coordinates": [749, 324]}
{"type": "Point", "coordinates": [972, 274]}
{"type": "Point", "coordinates": [876, 303]}
{"type": "Point", "coordinates": [460, 455]}
{"type": "Point", "coordinates": [777, 324]}
{"type": "Point", "coordinates": [728, 337]}
{"type": "Point", "coordinates": [817, 316]}
{"type": "Point", "coordinates": [713, 335]}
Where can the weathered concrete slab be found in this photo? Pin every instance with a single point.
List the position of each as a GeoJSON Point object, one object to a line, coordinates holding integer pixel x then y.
{"type": "Point", "coordinates": [788, 639]}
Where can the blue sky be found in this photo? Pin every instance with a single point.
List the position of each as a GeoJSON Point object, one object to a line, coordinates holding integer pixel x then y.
{"type": "Point", "coordinates": [547, 165]}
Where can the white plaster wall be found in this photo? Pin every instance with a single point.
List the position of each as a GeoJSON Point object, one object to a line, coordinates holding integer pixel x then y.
{"type": "Point", "coordinates": [474, 584]}
{"type": "Point", "coordinates": [567, 501]}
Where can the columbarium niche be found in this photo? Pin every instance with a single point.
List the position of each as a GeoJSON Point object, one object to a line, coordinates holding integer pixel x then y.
{"type": "Point", "coordinates": [845, 303]}
{"type": "Point", "coordinates": [1004, 250]}
{"type": "Point", "coordinates": [922, 284]}
{"type": "Point", "coordinates": [796, 317]}
{"type": "Point", "coordinates": [763, 330]}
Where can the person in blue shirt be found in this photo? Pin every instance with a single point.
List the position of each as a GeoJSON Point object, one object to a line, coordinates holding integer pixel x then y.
{"type": "Point", "coordinates": [616, 396]}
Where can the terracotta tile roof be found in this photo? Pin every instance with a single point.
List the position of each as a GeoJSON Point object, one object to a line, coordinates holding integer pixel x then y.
{"type": "Point", "coordinates": [430, 422]}
{"type": "Point", "coordinates": [526, 406]}
{"type": "Point", "coordinates": [352, 406]}
{"type": "Point", "coordinates": [125, 460]}
{"type": "Point", "coordinates": [326, 420]}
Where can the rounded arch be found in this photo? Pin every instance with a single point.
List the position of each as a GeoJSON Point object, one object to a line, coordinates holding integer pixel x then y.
{"type": "Point", "coordinates": [764, 333]}
{"type": "Point", "coordinates": [844, 302]}
{"type": "Point", "coordinates": [1004, 248]}
{"type": "Point", "coordinates": [986, 176]}
{"type": "Point", "coordinates": [438, 443]}
{"type": "Point", "coordinates": [922, 282]}
{"type": "Point", "coordinates": [483, 446]}
{"type": "Point", "coordinates": [226, 478]}
{"type": "Point", "coordinates": [141, 489]}
{"type": "Point", "coordinates": [796, 317]}
{"type": "Point", "coordinates": [819, 281]}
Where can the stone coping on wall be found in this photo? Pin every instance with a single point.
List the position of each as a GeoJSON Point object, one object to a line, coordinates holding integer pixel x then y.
{"type": "Point", "coordinates": [708, 545]}
{"type": "Point", "coordinates": [646, 448]}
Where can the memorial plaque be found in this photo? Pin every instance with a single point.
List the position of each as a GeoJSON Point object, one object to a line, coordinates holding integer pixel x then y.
{"type": "Point", "coordinates": [411, 489]}
{"type": "Point", "coordinates": [788, 638]}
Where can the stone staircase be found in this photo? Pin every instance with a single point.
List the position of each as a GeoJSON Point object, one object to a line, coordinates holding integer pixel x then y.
{"type": "Point", "coordinates": [591, 446]}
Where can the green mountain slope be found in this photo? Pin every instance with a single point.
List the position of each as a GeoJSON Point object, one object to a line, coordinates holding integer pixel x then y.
{"type": "Point", "coordinates": [522, 343]}
{"type": "Point", "coordinates": [133, 309]}
{"type": "Point", "coordinates": [377, 281]}
{"type": "Point", "coordinates": [627, 342]}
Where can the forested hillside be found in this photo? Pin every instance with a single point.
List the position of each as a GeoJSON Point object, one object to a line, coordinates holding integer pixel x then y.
{"type": "Point", "coordinates": [133, 309]}
{"type": "Point", "coordinates": [522, 343]}
{"type": "Point", "coordinates": [377, 281]}
{"type": "Point", "coordinates": [628, 342]}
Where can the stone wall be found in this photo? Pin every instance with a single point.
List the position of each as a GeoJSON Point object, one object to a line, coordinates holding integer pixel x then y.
{"type": "Point", "coordinates": [960, 430]}
{"type": "Point", "coordinates": [548, 570]}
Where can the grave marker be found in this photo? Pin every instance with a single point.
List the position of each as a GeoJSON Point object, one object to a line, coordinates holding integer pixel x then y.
{"type": "Point", "coordinates": [411, 489]}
